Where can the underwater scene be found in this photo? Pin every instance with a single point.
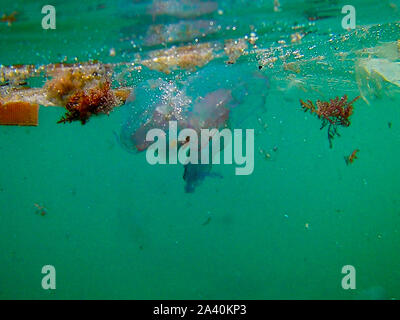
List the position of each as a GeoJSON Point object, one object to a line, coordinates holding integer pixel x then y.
{"type": "Point", "coordinates": [200, 149]}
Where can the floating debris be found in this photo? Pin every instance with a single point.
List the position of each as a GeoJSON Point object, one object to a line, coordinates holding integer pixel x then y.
{"type": "Point", "coordinates": [373, 73]}
{"type": "Point", "coordinates": [350, 159]}
{"type": "Point", "coordinates": [296, 37]}
{"type": "Point", "coordinates": [333, 113]}
{"type": "Point", "coordinates": [68, 81]}
{"type": "Point", "coordinates": [235, 49]}
{"type": "Point", "coordinates": [194, 56]}
{"type": "Point", "coordinates": [83, 89]}
{"type": "Point", "coordinates": [265, 154]}
{"type": "Point", "coordinates": [186, 57]}
{"type": "Point", "coordinates": [19, 113]}
{"type": "Point", "coordinates": [40, 210]}
{"type": "Point", "coordinates": [206, 222]}
{"type": "Point", "coordinates": [81, 105]}
{"type": "Point", "coordinates": [9, 19]}
{"type": "Point", "coordinates": [377, 69]}
{"type": "Point", "coordinates": [28, 95]}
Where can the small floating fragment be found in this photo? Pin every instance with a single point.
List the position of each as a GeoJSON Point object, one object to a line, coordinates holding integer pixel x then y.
{"type": "Point", "coordinates": [266, 155]}
{"type": "Point", "coordinates": [41, 210]}
{"type": "Point", "coordinates": [19, 113]}
{"type": "Point", "coordinates": [296, 37]}
{"type": "Point", "coordinates": [235, 49]}
{"type": "Point", "coordinates": [9, 19]}
{"type": "Point", "coordinates": [350, 159]}
{"type": "Point", "coordinates": [206, 222]}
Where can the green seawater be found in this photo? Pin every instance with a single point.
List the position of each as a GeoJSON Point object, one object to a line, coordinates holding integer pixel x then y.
{"type": "Point", "coordinates": [118, 228]}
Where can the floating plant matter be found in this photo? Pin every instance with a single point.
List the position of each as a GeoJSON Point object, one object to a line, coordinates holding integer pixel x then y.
{"type": "Point", "coordinates": [68, 81]}
{"type": "Point", "coordinates": [41, 210]}
{"type": "Point", "coordinates": [350, 159]}
{"type": "Point", "coordinates": [81, 105]}
{"type": "Point", "coordinates": [9, 19]}
{"type": "Point", "coordinates": [83, 89]}
{"type": "Point", "coordinates": [333, 113]}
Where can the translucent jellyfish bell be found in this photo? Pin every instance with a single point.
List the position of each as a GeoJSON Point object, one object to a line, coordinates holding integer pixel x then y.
{"type": "Point", "coordinates": [209, 98]}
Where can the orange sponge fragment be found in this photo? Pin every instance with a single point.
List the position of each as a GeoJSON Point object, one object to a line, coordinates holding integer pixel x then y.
{"type": "Point", "coordinates": [19, 114]}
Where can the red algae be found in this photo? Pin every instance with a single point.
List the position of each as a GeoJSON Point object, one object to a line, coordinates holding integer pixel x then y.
{"type": "Point", "coordinates": [350, 159]}
{"type": "Point", "coordinates": [335, 112]}
{"type": "Point", "coordinates": [81, 105]}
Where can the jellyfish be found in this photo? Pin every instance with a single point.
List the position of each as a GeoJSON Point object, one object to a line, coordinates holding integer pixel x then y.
{"type": "Point", "coordinates": [215, 97]}
{"type": "Point", "coordinates": [156, 103]}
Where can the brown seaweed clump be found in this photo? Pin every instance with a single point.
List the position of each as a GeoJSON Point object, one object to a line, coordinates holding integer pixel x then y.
{"type": "Point", "coordinates": [333, 113]}
{"type": "Point", "coordinates": [9, 19]}
{"type": "Point", "coordinates": [68, 81]}
{"type": "Point", "coordinates": [84, 91]}
{"type": "Point", "coordinates": [83, 104]}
